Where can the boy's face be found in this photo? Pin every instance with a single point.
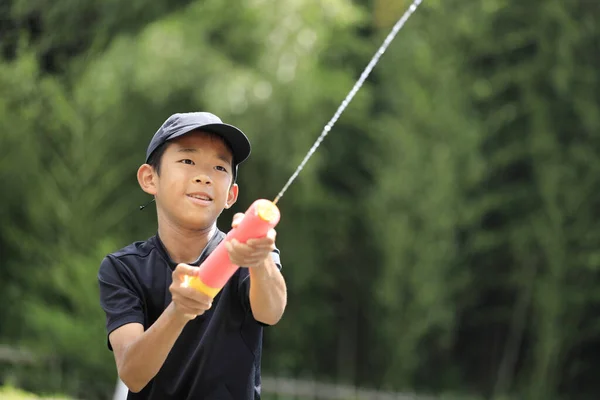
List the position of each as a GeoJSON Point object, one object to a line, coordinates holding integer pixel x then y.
{"type": "Point", "coordinates": [194, 185]}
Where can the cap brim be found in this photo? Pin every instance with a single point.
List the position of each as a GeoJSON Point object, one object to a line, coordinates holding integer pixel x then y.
{"type": "Point", "coordinates": [240, 145]}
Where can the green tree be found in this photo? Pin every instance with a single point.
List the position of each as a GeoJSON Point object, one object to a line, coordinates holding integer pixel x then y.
{"type": "Point", "coordinates": [89, 124]}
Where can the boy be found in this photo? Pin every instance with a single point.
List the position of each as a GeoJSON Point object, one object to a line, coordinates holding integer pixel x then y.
{"type": "Point", "coordinates": [170, 341]}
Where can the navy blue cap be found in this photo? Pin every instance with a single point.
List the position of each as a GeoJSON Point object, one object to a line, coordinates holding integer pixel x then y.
{"type": "Point", "coordinates": [181, 123]}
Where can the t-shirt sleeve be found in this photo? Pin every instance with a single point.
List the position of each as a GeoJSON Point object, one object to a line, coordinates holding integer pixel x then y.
{"type": "Point", "coordinates": [118, 297]}
{"type": "Point", "coordinates": [244, 282]}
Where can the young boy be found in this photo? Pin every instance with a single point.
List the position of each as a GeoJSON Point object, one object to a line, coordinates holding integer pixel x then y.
{"type": "Point", "coordinates": [171, 341]}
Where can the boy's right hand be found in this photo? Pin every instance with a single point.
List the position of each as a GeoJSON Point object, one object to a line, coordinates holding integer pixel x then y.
{"type": "Point", "coordinates": [188, 302]}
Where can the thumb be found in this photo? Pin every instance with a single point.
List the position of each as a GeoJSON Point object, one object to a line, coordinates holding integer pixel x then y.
{"type": "Point", "coordinates": [184, 269]}
{"type": "Point", "coordinates": [237, 218]}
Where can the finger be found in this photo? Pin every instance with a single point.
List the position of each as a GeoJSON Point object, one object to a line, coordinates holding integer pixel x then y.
{"type": "Point", "coordinates": [190, 313]}
{"type": "Point", "coordinates": [269, 239]}
{"type": "Point", "coordinates": [237, 218]}
{"type": "Point", "coordinates": [184, 290]}
{"type": "Point", "coordinates": [248, 261]}
{"type": "Point", "coordinates": [233, 253]}
{"type": "Point", "coordinates": [200, 297]}
{"type": "Point", "coordinates": [235, 247]}
{"type": "Point", "coordinates": [191, 294]}
{"type": "Point", "coordinates": [188, 308]}
{"type": "Point", "coordinates": [200, 309]}
{"type": "Point", "coordinates": [244, 255]}
{"type": "Point", "coordinates": [192, 304]}
{"type": "Point", "coordinates": [183, 269]}
{"type": "Point", "coordinates": [260, 244]}
{"type": "Point", "coordinates": [251, 246]}
{"type": "Point", "coordinates": [194, 295]}
{"type": "Point", "coordinates": [245, 252]}
{"type": "Point", "coordinates": [258, 241]}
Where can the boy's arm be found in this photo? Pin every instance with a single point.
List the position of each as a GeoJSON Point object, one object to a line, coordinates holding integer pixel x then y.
{"type": "Point", "coordinates": [268, 292]}
{"type": "Point", "coordinates": [140, 354]}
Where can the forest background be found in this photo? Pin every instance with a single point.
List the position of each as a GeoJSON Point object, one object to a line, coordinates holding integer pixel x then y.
{"type": "Point", "coordinates": [444, 238]}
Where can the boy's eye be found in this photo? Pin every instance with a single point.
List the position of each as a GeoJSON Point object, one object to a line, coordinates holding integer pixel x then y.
{"type": "Point", "coordinates": [221, 168]}
{"type": "Point", "coordinates": [187, 161]}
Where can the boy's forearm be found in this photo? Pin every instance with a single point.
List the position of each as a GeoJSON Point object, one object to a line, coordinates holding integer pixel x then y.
{"type": "Point", "coordinates": [145, 356]}
{"type": "Point", "coordinates": [268, 293]}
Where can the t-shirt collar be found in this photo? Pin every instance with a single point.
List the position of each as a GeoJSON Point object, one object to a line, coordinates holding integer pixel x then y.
{"type": "Point", "coordinates": [212, 244]}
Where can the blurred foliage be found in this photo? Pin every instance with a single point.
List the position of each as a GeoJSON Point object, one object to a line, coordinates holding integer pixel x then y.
{"type": "Point", "coordinates": [442, 239]}
{"type": "Point", "coordinates": [11, 393]}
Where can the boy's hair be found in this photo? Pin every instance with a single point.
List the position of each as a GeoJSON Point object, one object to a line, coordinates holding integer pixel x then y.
{"type": "Point", "coordinates": [156, 157]}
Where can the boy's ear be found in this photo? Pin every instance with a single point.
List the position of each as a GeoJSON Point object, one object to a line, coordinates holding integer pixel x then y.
{"type": "Point", "coordinates": [232, 195]}
{"type": "Point", "coordinates": [145, 177]}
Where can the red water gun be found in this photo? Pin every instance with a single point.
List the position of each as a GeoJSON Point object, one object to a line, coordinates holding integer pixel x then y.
{"type": "Point", "coordinates": [215, 271]}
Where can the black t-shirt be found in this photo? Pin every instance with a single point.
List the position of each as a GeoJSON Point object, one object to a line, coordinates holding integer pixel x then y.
{"type": "Point", "coordinates": [218, 354]}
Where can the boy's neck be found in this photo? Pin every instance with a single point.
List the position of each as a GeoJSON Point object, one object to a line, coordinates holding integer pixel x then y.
{"type": "Point", "coordinates": [183, 245]}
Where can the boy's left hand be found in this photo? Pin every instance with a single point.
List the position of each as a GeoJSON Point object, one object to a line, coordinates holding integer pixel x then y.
{"type": "Point", "coordinates": [254, 252]}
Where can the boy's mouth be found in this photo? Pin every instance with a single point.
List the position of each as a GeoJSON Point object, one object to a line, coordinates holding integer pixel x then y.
{"type": "Point", "coordinates": [200, 196]}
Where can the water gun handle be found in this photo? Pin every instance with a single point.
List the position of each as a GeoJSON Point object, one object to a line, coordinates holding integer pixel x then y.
{"type": "Point", "coordinates": [215, 271]}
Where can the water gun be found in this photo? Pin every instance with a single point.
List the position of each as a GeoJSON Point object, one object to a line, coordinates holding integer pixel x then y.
{"type": "Point", "coordinates": [215, 271]}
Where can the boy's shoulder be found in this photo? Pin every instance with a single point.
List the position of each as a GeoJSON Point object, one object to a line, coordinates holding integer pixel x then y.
{"type": "Point", "coordinates": [140, 248]}
{"type": "Point", "coordinates": [134, 255]}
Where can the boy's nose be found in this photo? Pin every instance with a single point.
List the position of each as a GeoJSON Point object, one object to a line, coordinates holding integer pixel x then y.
{"type": "Point", "coordinates": [203, 178]}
